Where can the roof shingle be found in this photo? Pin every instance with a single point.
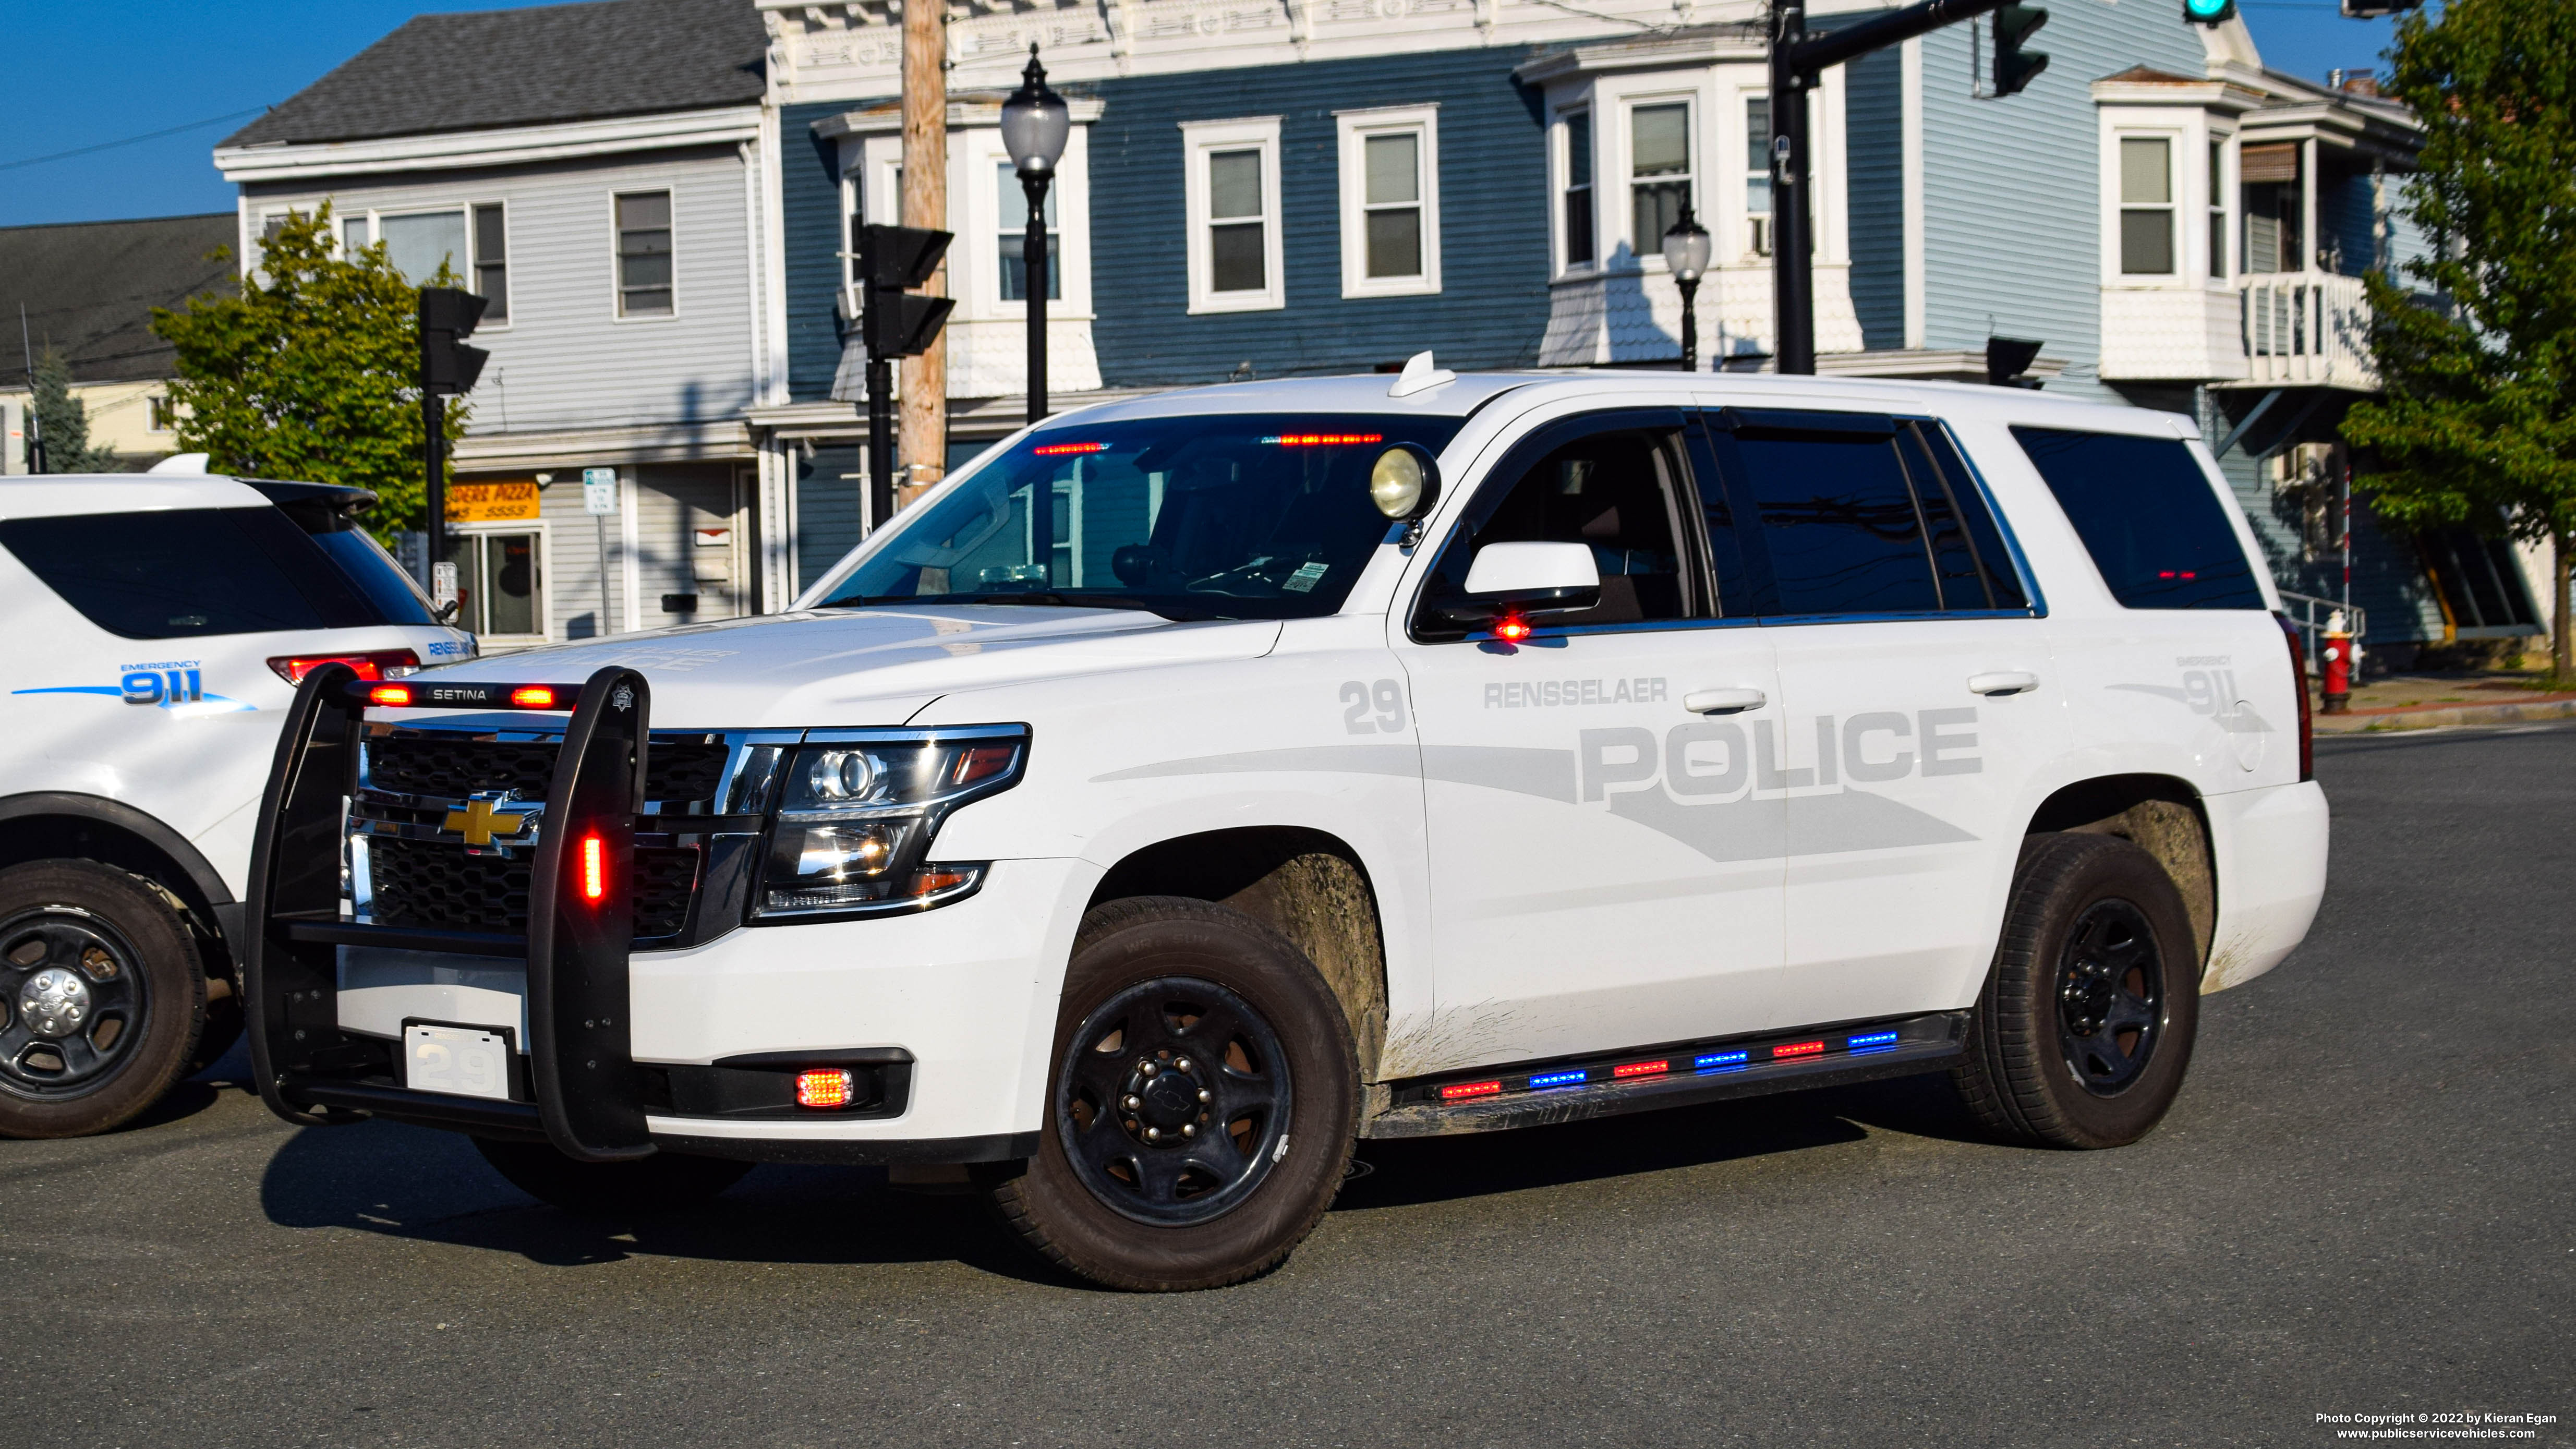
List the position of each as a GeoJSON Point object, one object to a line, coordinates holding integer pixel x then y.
{"type": "Point", "coordinates": [481, 69]}
{"type": "Point", "coordinates": [89, 288]}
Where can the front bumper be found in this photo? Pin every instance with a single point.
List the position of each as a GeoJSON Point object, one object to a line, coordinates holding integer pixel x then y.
{"type": "Point", "coordinates": [943, 1016]}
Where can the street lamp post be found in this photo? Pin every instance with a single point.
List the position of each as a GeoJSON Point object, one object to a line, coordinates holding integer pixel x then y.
{"type": "Point", "coordinates": [1686, 253]}
{"type": "Point", "coordinates": [1035, 124]}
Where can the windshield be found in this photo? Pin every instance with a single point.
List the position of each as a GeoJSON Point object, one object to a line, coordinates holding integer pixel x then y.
{"type": "Point", "coordinates": [1229, 516]}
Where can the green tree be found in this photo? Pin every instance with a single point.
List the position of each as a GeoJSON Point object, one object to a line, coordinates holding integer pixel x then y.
{"type": "Point", "coordinates": [2478, 425]}
{"type": "Point", "coordinates": [62, 422]}
{"type": "Point", "coordinates": [312, 372]}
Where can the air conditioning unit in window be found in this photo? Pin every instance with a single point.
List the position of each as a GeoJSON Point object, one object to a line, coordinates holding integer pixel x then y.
{"type": "Point", "coordinates": [1758, 235]}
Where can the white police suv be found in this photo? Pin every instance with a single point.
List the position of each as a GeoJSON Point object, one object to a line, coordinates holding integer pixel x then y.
{"type": "Point", "coordinates": [1196, 785]}
{"type": "Point", "coordinates": [156, 627]}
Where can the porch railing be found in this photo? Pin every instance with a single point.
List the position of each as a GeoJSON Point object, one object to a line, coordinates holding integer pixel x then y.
{"type": "Point", "coordinates": [2310, 615]}
{"type": "Point", "coordinates": [2307, 330]}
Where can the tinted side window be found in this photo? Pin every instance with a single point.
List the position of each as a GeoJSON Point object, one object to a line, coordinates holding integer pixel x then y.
{"type": "Point", "coordinates": [2149, 518]}
{"type": "Point", "coordinates": [1620, 492]}
{"type": "Point", "coordinates": [1976, 567]}
{"type": "Point", "coordinates": [187, 573]}
{"type": "Point", "coordinates": [1839, 524]}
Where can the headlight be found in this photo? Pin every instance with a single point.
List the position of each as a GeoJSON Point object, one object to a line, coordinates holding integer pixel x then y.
{"type": "Point", "coordinates": [856, 816]}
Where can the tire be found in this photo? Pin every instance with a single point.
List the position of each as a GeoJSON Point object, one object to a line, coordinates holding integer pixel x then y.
{"type": "Point", "coordinates": [120, 993]}
{"type": "Point", "coordinates": [1252, 1101]}
{"type": "Point", "coordinates": [663, 1182]}
{"type": "Point", "coordinates": [2085, 1027]}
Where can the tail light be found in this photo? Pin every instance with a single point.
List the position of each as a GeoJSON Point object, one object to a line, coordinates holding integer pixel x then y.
{"type": "Point", "coordinates": [2299, 687]}
{"type": "Point", "coordinates": [372, 665]}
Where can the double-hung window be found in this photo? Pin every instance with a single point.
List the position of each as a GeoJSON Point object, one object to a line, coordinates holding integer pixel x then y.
{"type": "Point", "coordinates": [1014, 246]}
{"type": "Point", "coordinates": [2217, 194]}
{"type": "Point", "coordinates": [1578, 189]}
{"type": "Point", "coordinates": [2146, 206]}
{"type": "Point", "coordinates": [644, 254]}
{"type": "Point", "coordinates": [421, 242]}
{"type": "Point", "coordinates": [492, 261]}
{"type": "Point", "coordinates": [1659, 172]}
{"type": "Point", "coordinates": [472, 242]}
{"type": "Point", "coordinates": [1390, 188]}
{"type": "Point", "coordinates": [1231, 192]}
{"type": "Point", "coordinates": [1757, 175]}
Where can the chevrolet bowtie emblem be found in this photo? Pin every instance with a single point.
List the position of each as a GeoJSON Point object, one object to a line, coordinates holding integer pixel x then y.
{"type": "Point", "coordinates": [479, 822]}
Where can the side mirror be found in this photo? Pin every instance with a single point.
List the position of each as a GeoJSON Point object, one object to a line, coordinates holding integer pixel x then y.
{"type": "Point", "coordinates": [1529, 578]}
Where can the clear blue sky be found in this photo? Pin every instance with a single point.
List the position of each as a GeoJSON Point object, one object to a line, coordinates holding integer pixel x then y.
{"type": "Point", "coordinates": [81, 73]}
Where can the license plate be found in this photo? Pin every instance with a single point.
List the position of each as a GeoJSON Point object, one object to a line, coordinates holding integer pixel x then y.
{"type": "Point", "coordinates": [457, 1060]}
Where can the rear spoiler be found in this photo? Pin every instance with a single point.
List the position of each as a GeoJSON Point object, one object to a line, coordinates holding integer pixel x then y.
{"type": "Point", "coordinates": [580, 922]}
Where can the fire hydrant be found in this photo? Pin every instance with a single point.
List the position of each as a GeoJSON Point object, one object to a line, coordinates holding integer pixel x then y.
{"type": "Point", "coordinates": [2339, 652]}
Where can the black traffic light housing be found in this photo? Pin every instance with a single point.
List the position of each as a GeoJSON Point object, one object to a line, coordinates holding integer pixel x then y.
{"type": "Point", "coordinates": [2008, 358]}
{"type": "Point", "coordinates": [2372, 9]}
{"type": "Point", "coordinates": [447, 318]}
{"type": "Point", "coordinates": [2015, 67]}
{"type": "Point", "coordinates": [892, 261]}
{"type": "Point", "coordinates": [2219, 12]}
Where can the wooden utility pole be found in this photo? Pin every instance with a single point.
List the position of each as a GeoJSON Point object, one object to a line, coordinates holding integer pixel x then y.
{"type": "Point", "coordinates": [924, 432]}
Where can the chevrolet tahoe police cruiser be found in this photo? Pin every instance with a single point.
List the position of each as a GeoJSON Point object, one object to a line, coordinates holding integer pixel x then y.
{"type": "Point", "coordinates": [157, 626]}
{"type": "Point", "coordinates": [1197, 785]}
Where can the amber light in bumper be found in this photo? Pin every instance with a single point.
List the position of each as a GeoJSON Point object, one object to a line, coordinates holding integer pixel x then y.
{"type": "Point", "coordinates": [825, 1087]}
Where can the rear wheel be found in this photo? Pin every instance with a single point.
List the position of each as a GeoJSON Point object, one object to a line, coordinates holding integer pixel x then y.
{"type": "Point", "coordinates": [1204, 1094]}
{"type": "Point", "coordinates": [2084, 1029]}
{"type": "Point", "coordinates": [663, 1182]}
{"type": "Point", "coordinates": [102, 998]}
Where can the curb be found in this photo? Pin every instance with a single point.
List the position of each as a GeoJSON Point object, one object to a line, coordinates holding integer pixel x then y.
{"type": "Point", "coordinates": [2426, 717]}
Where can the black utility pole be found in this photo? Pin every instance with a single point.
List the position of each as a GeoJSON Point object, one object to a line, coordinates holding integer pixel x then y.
{"type": "Point", "coordinates": [893, 323]}
{"type": "Point", "coordinates": [1798, 57]}
{"type": "Point", "coordinates": [447, 367]}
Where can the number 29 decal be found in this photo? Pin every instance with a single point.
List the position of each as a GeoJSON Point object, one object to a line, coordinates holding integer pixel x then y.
{"type": "Point", "coordinates": [1370, 709]}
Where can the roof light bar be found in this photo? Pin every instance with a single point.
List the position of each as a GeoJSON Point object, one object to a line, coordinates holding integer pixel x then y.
{"type": "Point", "coordinates": [1322, 440]}
{"type": "Point", "coordinates": [1053, 450]}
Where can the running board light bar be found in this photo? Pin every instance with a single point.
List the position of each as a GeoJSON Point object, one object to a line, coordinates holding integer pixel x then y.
{"type": "Point", "coordinates": [1639, 1069]}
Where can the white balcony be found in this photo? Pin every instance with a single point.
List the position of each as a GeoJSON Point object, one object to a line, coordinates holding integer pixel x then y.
{"type": "Point", "coordinates": [2307, 329]}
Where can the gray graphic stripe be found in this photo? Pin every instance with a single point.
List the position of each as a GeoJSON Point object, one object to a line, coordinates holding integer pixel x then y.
{"type": "Point", "coordinates": [1310, 759]}
{"type": "Point", "coordinates": [1548, 774]}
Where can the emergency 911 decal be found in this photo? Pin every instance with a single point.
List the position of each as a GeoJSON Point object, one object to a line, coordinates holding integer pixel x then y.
{"type": "Point", "coordinates": [171, 684]}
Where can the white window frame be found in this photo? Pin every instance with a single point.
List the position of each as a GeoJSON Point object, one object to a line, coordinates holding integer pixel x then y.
{"type": "Point", "coordinates": [2178, 145]}
{"type": "Point", "coordinates": [1198, 140]}
{"type": "Point", "coordinates": [374, 217]}
{"type": "Point", "coordinates": [1738, 140]}
{"type": "Point", "coordinates": [1355, 128]}
{"type": "Point", "coordinates": [545, 576]}
{"type": "Point", "coordinates": [1649, 251]}
{"type": "Point", "coordinates": [616, 301]}
{"type": "Point", "coordinates": [2219, 205]}
{"type": "Point", "coordinates": [1561, 181]}
{"type": "Point", "coordinates": [2189, 129]}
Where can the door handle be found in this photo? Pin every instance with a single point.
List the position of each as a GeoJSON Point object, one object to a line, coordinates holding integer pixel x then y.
{"type": "Point", "coordinates": [1724, 701]}
{"type": "Point", "coordinates": [2003, 681]}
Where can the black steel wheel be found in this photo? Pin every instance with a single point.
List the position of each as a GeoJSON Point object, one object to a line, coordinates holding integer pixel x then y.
{"type": "Point", "coordinates": [1202, 1099]}
{"type": "Point", "coordinates": [2110, 997]}
{"type": "Point", "coordinates": [1172, 1101]}
{"type": "Point", "coordinates": [2084, 1030]}
{"type": "Point", "coordinates": [102, 998]}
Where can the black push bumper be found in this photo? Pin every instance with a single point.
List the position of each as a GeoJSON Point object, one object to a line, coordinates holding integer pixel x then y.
{"type": "Point", "coordinates": [588, 1096]}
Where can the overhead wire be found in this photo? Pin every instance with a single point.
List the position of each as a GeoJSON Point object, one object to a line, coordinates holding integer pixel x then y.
{"type": "Point", "coordinates": [130, 140]}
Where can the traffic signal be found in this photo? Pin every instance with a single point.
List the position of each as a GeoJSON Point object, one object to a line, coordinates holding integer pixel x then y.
{"type": "Point", "coordinates": [892, 260]}
{"type": "Point", "coordinates": [447, 318]}
{"type": "Point", "coordinates": [2015, 67]}
{"type": "Point", "coordinates": [2219, 12]}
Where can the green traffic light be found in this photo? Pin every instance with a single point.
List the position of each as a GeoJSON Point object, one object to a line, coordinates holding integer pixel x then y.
{"type": "Point", "coordinates": [2208, 12]}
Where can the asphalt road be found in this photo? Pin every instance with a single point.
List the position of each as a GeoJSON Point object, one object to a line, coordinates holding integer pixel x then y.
{"type": "Point", "coordinates": [2364, 1203]}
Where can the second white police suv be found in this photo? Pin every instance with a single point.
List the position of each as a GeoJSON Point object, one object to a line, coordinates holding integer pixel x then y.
{"type": "Point", "coordinates": [1195, 785]}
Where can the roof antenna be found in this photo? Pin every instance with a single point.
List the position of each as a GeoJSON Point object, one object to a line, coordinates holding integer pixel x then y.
{"type": "Point", "coordinates": [1420, 375]}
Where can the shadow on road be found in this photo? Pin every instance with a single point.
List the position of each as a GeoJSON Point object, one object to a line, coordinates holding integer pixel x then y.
{"type": "Point", "coordinates": [432, 1186]}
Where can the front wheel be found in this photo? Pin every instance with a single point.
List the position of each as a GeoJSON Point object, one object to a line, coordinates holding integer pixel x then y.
{"type": "Point", "coordinates": [1204, 1095]}
{"type": "Point", "coordinates": [2084, 1028]}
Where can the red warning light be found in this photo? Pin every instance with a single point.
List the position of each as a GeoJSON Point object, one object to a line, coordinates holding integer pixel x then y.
{"type": "Point", "coordinates": [594, 868]}
{"type": "Point", "coordinates": [1641, 1069]}
{"type": "Point", "coordinates": [533, 696]}
{"type": "Point", "coordinates": [1463, 1090]}
{"type": "Point", "coordinates": [1511, 628]}
{"type": "Point", "coordinates": [1322, 440]}
{"type": "Point", "coordinates": [392, 696]}
{"type": "Point", "coordinates": [1053, 450]}
{"type": "Point", "coordinates": [1797, 1049]}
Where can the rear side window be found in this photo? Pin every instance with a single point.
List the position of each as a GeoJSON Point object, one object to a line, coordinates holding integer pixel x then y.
{"type": "Point", "coordinates": [189, 573]}
{"type": "Point", "coordinates": [1862, 514]}
{"type": "Point", "coordinates": [2147, 514]}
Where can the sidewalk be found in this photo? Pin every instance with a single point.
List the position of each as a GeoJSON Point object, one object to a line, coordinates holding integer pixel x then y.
{"type": "Point", "coordinates": [2461, 697]}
